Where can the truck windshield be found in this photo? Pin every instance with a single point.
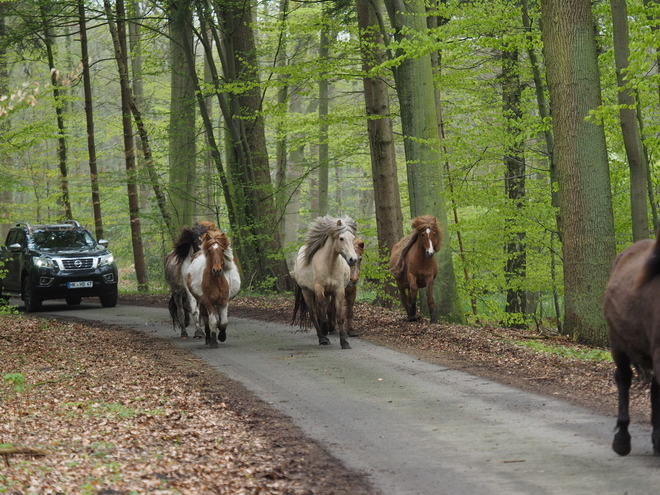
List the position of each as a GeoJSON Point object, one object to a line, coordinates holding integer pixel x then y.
{"type": "Point", "coordinates": [61, 239]}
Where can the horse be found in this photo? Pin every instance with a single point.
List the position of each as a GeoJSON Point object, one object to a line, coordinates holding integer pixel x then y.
{"type": "Point", "coordinates": [632, 312]}
{"type": "Point", "coordinates": [413, 264]}
{"type": "Point", "coordinates": [181, 304]}
{"type": "Point", "coordinates": [322, 272]}
{"type": "Point", "coordinates": [213, 280]}
{"type": "Point", "coordinates": [350, 292]}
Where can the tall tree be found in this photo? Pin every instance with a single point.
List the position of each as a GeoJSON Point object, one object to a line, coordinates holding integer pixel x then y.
{"type": "Point", "coordinates": [89, 119]}
{"type": "Point", "coordinates": [582, 166]}
{"type": "Point", "coordinates": [514, 182]}
{"type": "Point", "coordinates": [182, 129]}
{"type": "Point", "coordinates": [323, 109]}
{"type": "Point", "coordinates": [48, 36]}
{"type": "Point", "coordinates": [414, 86]}
{"type": "Point", "coordinates": [389, 215]}
{"type": "Point", "coordinates": [118, 32]}
{"type": "Point", "coordinates": [632, 139]}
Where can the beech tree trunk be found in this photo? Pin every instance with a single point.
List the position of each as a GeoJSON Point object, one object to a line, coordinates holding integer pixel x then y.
{"type": "Point", "coordinates": [582, 167]}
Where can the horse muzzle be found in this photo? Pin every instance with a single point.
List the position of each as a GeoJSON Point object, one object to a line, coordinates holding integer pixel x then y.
{"type": "Point", "coordinates": [429, 254]}
{"type": "Point", "coordinates": [351, 261]}
{"type": "Point", "coordinates": [216, 272]}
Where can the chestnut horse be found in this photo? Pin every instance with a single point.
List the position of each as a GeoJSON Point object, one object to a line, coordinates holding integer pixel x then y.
{"type": "Point", "coordinates": [182, 305]}
{"type": "Point", "coordinates": [213, 280]}
{"type": "Point", "coordinates": [632, 310]}
{"type": "Point", "coordinates": [413, 265]}
{"type": "Point", "coordinates": [350, 292]}
{"type": "Point", "coordinates": [322, 272]}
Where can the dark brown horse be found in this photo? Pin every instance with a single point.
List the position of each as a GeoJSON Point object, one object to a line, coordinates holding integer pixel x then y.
{"type": "Point", "coordinates": [181, 304]}
{"type": "Point", "coordinates": [350, 292]}
{"type": "Point", "coordinates": [632, 310]}
{"type": "Point", "coordinates": [413, 264]}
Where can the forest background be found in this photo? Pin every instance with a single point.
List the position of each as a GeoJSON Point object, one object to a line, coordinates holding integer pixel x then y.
{"type": "Point", "coordinates": [529, 129]}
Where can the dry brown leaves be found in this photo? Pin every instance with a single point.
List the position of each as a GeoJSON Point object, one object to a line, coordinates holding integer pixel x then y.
{"type": "Point", "coordinates": [121, 412]}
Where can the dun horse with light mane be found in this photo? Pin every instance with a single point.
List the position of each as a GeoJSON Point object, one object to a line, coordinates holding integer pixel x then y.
{"type": "Point", "coordinates": [322, 272]}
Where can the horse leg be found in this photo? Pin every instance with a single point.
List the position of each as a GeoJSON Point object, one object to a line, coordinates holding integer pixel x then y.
{"type": "Point", "coordinates": [212, 330]}
{"type": "Point", "coordinates": [655, 404]}
{"type": "Point", "coordinates": [349, 295]}
{"type": "Point", "coordinates": [340, 311]}
{"type": "Point", "coordinates": [332, 318]}
{"type": "Point", "coordinates": [412, 297]}
{"type": "Point", "coordinates": [623, 378]}
{"type": "Point", "coordinates": [222, 326]}
{"type": "Point", "coordinates": [430, 301]}
{"type": "Point", "coordinates": [321, 315]}
{"type": "Point", "coordinates": [403, 295]}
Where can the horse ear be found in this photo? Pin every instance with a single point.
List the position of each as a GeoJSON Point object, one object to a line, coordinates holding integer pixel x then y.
{"type": "Point", "coordinates": [339, 222]}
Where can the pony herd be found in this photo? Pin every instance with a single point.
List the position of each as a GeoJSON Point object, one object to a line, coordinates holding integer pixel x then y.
{"type": "Point", "coordinates": [203, 277]}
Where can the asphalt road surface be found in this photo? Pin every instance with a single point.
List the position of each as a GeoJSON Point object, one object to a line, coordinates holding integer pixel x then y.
{"type": "Point", "coordinates": [413, 427]}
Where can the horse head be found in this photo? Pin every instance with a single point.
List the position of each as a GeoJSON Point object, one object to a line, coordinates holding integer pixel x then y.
{"type": "Point", "coordinates": [214, 244]}
{"type": "Point", "coordinates": [428, 234]}
{"type": "Point", "coordinates": [355, 269]}
{"type": "Point", "coordinates": [344, 242]}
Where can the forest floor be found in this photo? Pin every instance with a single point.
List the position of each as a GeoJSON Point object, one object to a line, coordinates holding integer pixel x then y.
{"type": "Point", "coordinates": [182, 428]}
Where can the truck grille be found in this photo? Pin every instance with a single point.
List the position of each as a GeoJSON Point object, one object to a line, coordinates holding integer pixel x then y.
{"type": "Point", "coordinates": [78, 263]}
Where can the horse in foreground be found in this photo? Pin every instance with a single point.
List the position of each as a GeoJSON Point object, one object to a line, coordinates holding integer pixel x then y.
{"type": "Point", "coordinates": [181, 304]}
{"type": "Point", "coordinates": [632, 310]}
{"type": "Point", "coordinates": [413, 264]}
{"type": "Point", "coordinates": [350, 293]}
{"type": "Point", "coordinates": [213, 280]}
{"type": "Point", "coordinates": [322, 272]}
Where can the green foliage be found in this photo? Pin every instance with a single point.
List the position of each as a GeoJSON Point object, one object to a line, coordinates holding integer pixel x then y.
{"type": "Point", "coordinates": [581, 353]}
{"type": "Point", "coordinates": [15, 381]}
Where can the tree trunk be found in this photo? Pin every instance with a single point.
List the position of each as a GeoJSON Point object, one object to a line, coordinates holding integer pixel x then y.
{"type": "Point", "coordinates": [324, 90]}
{"type": "Point", "coordinates": [89, 116]}
{"type": "Point", "coordinates": [59, 112]}
{"type": "Point", "coordinates": [6, 159]}
{"type": "Point", "coordinates": [389, 217]}
{"type": "Point", "coordinates": [182, 128]}
{"type": "Point", "coordinates": [628, 117]}
{"type": "Point", "coordinates": [118, 32]}
{"type": "Point", "coordinates": [580, 153]}
{"type": "Point", "coordinates": [264, 262]}
{"type": "Point", "coordinates": [414, 85]}
{"type": "Point", "coordinates": [516, 263]}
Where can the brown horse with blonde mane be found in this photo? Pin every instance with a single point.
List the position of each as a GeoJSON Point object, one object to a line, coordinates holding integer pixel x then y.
{"type": "Point", "coordinates": [213, 280]}
{"type": "Point", "coordinates": [413, 264]}
{"type": "Point", "coordinates": [632, 310]}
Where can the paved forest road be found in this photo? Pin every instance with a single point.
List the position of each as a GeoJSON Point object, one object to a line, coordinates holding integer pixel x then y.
{"type": "Point", "coordinates": [415, 428]}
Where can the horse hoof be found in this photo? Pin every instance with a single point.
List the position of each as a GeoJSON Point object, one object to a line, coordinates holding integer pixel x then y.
{"type": "Point", "coordinates": [412, 318]}
{"type": "Point", "coordinates": [353, 334]}
{"type": "Point", "coordinates": [223, 336]}
{"type": "Point", "coordinates": [621, 444]}
{"type": "Point", "coordinates": [184, 334]}
{"type": "Point", "coordinates": [324, 341]}
{"type": "Point", "coordinates": [214, 345]}
{"type": "Point", "coordinates": [199, 335]}
{"type": "Point", "coordinates": [345, 345]}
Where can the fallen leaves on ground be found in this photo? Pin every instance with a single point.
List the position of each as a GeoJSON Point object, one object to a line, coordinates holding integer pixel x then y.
{"type": "Point", "coordinates": [122, 412]}
{"type": "Point", "coordinates": [118, 412]}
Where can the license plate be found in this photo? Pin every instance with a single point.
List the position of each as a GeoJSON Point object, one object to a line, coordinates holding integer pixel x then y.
{"type": "Point", "coordinates": [80, 285]}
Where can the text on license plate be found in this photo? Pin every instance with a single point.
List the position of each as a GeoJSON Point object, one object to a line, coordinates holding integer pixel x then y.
{"type": "Point", "coordinates": [80, 285]}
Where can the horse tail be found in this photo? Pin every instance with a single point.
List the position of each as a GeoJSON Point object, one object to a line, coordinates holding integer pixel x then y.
{"type": "Point", "coordinates": [300, 310]}
{"type": "Point", "coordinates": [652, 265]}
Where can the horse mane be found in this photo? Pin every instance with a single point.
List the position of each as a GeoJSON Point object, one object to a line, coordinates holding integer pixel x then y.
{"type": "Point", "coordinates": [191, 238]}
{"type": "Point", "coordinates": [359, 246]}
{"type": "Point", "coordinates": [651, 268]}
{"type": "Point", "coordinates": [212, 236]}
{"type": "Point", "coordinates": [324, 227]}
{"type": "Point", "coordinates": [419, 225]}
